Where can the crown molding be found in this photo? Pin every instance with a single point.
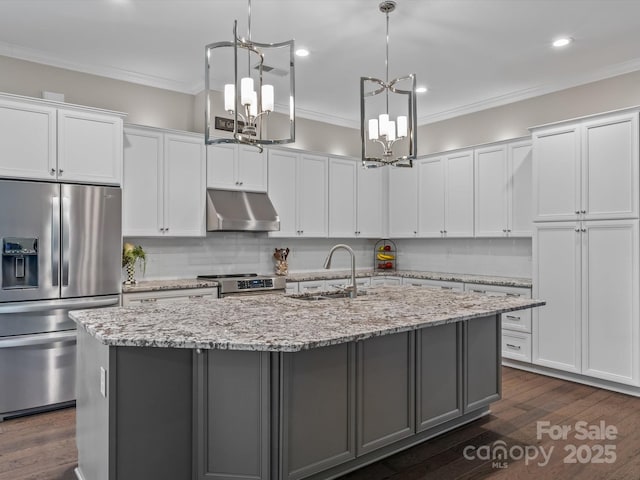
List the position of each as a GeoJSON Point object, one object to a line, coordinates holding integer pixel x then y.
{"type": "Point", "coordinates": [36, 56]}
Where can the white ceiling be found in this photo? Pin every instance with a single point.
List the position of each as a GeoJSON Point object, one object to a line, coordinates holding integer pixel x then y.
{"type": "Point", "coordinates": [472, 54]}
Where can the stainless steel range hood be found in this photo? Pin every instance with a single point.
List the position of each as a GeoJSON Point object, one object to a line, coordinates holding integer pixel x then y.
{"type": "Point", "coordinates": [230, 210]}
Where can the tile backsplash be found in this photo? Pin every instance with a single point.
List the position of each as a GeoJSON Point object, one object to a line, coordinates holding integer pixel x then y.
{"type": "Point", "coordinates": [243, 252]}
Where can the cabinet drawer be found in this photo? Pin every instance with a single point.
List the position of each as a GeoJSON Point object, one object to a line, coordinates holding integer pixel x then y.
{"type": "Point", "coordinates": [519, 321]}
{"type": "Point", "coordinates": [441, 284]}
{"type": "Point", "coordinates": [166, 296]}
{"type": "Point", "coordinates": [311, 286]}
{"type": "Point", "coordinates": [516, 346]}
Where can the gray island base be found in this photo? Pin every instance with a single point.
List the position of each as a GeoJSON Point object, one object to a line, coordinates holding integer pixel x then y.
{"type": "Point", "coordinates": [347, 383]}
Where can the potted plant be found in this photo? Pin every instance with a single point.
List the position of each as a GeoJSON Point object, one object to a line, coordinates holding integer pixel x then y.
{"type": "Point", "coordinates": [130, 255]}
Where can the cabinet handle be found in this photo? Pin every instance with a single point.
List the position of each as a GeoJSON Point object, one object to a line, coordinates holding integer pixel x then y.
{"type": "Point", "coordinates": [583, 211]}
{"type": "Point", "coordinates": [479, 291]}
{"type": "Point", "coordinates": [515, 347]}
{"type": "Point", "coordinates": [513, 317]}
{"type": "Point", "coordinates": [577, 212]}
{"type": "Point", "coordinates": [199, 351]}
{"type": "Point", "coordinates": [510, 294]}
{"type": "Point", "coordinates": [60, 171]}
{"type": "Point", "coordinates": [241, 183]}
{"type": "Point", "coordinates": [504, 230]}
{"type": "Point", "coordinates": [446, 288]}
{"type": "Point", "coordinates": [196, 296]}
{"type": "Point", "coordinates": [508, 230]}
{"type": "Point", "coordinates": [148, 300]}
{"type": "Point", "coordinates": [583, 230]}
{"type": "Point", "coordinates": [577, 229]}
{"type": "Point", "coordinates": [53, 171]}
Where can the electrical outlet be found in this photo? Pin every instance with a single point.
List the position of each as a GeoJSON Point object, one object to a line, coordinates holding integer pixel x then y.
{"type": "Point", "coordinates": [103, 382]}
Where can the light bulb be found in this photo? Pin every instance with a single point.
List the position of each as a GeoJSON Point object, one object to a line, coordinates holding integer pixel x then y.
{"type": "Point", "coordinates": [391, 131]}
{"type": "Point", "coordinates": [383, 124]}
{"type": "Point", "coordinates": [402, 126]}
{"type": "Point", "coordinates": [229, 97]}
{"type": "Point", "coordinates": [246, 90]}
{"type": "Point", "coordinates": [267, 98]}
{"type": "Point", "coordinates": [253, 106]}
{"type": "Point", "coordinates": [373, 129]}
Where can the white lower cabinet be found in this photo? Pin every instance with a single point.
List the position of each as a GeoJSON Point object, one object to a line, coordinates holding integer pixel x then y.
{"type": "Point", "coordinates": [168, 296]}
{"type": "Point", "coordinates": [438, 284]}
{"type": "Point", "coordinates": [311, 286]}
{"type": "Point", "coordinates": [587, 272]}
{"type": "Point", "coordinates": [516, 326]}
{"type": "Point", "coordinates": [386, 280]}
{"type": "Point", "coordinates": [291, 287]}
{"type": "Point", "coordinates": [164, 186]}
{"type": "Point", "coordinates": [338, 283]}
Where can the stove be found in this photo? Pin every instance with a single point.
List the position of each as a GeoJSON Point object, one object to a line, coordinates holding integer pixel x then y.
{"type": "Point", "coordinates": [247, 284]}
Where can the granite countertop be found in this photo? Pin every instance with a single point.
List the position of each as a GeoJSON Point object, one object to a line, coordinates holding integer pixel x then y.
{"type": "Point", "coordinates": [449, 277]}
{"type": "Point", "coordinates": [176, 284]}
{"type": "Point", "coordinates": [282, 323]}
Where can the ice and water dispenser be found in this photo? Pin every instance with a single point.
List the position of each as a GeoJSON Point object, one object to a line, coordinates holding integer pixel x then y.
{"type": "Point", "coordinates": [19, 263]}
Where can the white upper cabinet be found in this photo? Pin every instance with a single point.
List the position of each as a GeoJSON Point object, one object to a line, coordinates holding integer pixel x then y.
{"type": "Point", "coordinates": [403, 202]}
{"type": "Point", "coordinates": [503, 190]}
{"type": "Point", "coordinates": [89, 147]}
{"type": "Point", "coordinates": [298, 188]}
{"type": "Point", "coordinates": [342, 198]}
{"type": "Point", "coordinates": [355, 199]}
{"type": "Point", "coordinates": [42, 142]}
{"type": "Point", "coordinates": [458, 202]}
{"type": "Point", "coordinates": [370, 201]}
{"type": "Point", "coordinates": [587, 170]}
{"type": "Point", "coordinates": [164, 187]}
{"type": "Point", "coordinates": [27, 140]}
{"type": "Point", "coordinates": [431, 184]}
{"type": "Point", "coordinates": [236, 167]}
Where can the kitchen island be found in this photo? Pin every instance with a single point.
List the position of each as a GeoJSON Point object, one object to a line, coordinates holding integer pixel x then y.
{"type": "Point", "coordinates": [280, 387]}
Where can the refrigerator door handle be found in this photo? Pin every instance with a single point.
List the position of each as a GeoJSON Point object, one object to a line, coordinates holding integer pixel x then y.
{"type": "Point", "coordinates": [72, 304]}
{"type": "Point", "coordinates": [55, 240]}
{"type": "Point", "coordinates": [66, 228]}
{"type": "Point", "coordinates": [68, 336]}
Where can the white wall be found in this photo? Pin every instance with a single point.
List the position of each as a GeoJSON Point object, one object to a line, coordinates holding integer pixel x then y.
{"type": "Point", "coordinates": [240, 252]}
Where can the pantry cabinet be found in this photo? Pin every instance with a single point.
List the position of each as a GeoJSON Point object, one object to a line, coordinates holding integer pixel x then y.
{"type": "Point", "coordinates": [587, 272]}
{"type": "Point", "coordinates": [298, 188]}
{"type": "Point", "coordinates": [40, 141]}
{"type": "Point", "coordinates": [587, 170]}
{"type": "Point", "coordinates": [236, 167]}
{"type": "Point", "coordinates": [503, 190]}
{"type": "Point", "coordinates": [164, 188]}
{"type": "Point", "coordinates": [355, 200]}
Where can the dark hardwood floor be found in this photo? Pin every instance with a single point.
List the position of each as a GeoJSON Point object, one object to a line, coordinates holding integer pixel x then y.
{"type": "Point", "coordinates": [42, 447]}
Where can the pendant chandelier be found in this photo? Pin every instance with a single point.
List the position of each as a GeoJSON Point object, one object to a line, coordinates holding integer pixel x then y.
{"type": "Point", "coordinates": [386, 141]}
{"type": "Point", "coordinates": [247, 98]}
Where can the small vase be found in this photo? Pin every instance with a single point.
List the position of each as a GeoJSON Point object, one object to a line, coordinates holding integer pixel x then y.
{"type": "Point", "coordinates": [131, 274]}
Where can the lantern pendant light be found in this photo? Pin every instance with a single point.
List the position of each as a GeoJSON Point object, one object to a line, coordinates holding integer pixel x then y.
{"type": "Point", "coordinates": [386, 141]}
{"type": "Point", "coordinates": [247, 98]}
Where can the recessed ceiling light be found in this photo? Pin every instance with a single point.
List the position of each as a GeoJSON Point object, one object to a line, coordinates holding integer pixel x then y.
{"type": "Point", "coordinates": [302, 52]}
{"type": "Point", "coordinates": [421, 89]}
{"type": "Point", "coordinates": [562, 42]}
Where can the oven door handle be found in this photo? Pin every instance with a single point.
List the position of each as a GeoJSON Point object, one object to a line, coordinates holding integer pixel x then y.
{"type": "Point", "coordinates": [68, 336]}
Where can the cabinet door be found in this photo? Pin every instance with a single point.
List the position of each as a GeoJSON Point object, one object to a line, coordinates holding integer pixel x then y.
{"type": "Point", "coordinates": [482, 350]}
{"type": "Point", "coordinates": [491, 191]}
{"type": "Point", "coordinates": [556, 279]}
{"type": "Point", "coordinates": [385, 390]}
{"type": "Point", "coordinates": [184, 184]}
{"type": "Point", "coordinates": [438, 375]}
{"type": "Point", "coordinates": [520, 189]}
{"type": "Point", "coordinates": [556, 174]}
{"type": "Point", "coordinates": [89, 147]}
{"type": "Point", "coordinates": [282, 191]}
{"type": "Point", "coordinates": [27, 141]}
{"type": "Point", "coordinates": [342, 198]}
{"type": "Point", "coordinates": [221, 165]}
{"type": "Point", "coordinates": [403, 202]}
{"type": "Point", "coordinates": [313, 205]}
{"type": "Point", "coordinates": [233, 423]}
{"type": "Point", "coordinates": [610, 289]}
{"type": "Point", "coordinates": [143, 189]}
{"type": "Point", "coordinates": [458, 202]}
{"type": "Point", "coordinates": [370, 199]}
{"type": "Point", "coordinates": [318, 409]}
{"type": "Point", "coordinates": [610, 168]}
{"type": "Point", "coordinates": [251, 169]}
{"type": "Point", "coordinates": [430, 197]}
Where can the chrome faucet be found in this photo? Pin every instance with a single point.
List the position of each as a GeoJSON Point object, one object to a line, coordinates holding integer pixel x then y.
{"type": "Point", "coordinates": [352, 289]}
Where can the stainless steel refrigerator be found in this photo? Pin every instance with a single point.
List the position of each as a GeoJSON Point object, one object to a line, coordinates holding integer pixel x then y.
{"type": "Point", "coordinates": [61, 248]}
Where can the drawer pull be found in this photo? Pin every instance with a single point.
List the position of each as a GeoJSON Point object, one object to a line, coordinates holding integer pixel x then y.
{"type": "Point", "coordinates": [196, 296]}
{"type": "Point", "coordinates": [148, 300]}
{"type": "Point", "coordinates": [515, 347]}
{"type": "Point", "coordinates": [479, 291]}
{"type": "Point", "coordinates": [446, 288]}
{"type": "Point", "coordinates": [510, 294]}
{"type": "Point", "coordinates": [513, 317]}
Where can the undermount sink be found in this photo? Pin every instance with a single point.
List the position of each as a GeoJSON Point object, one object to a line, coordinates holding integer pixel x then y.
{"type": "Point", "coordinates": [324, 296]}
